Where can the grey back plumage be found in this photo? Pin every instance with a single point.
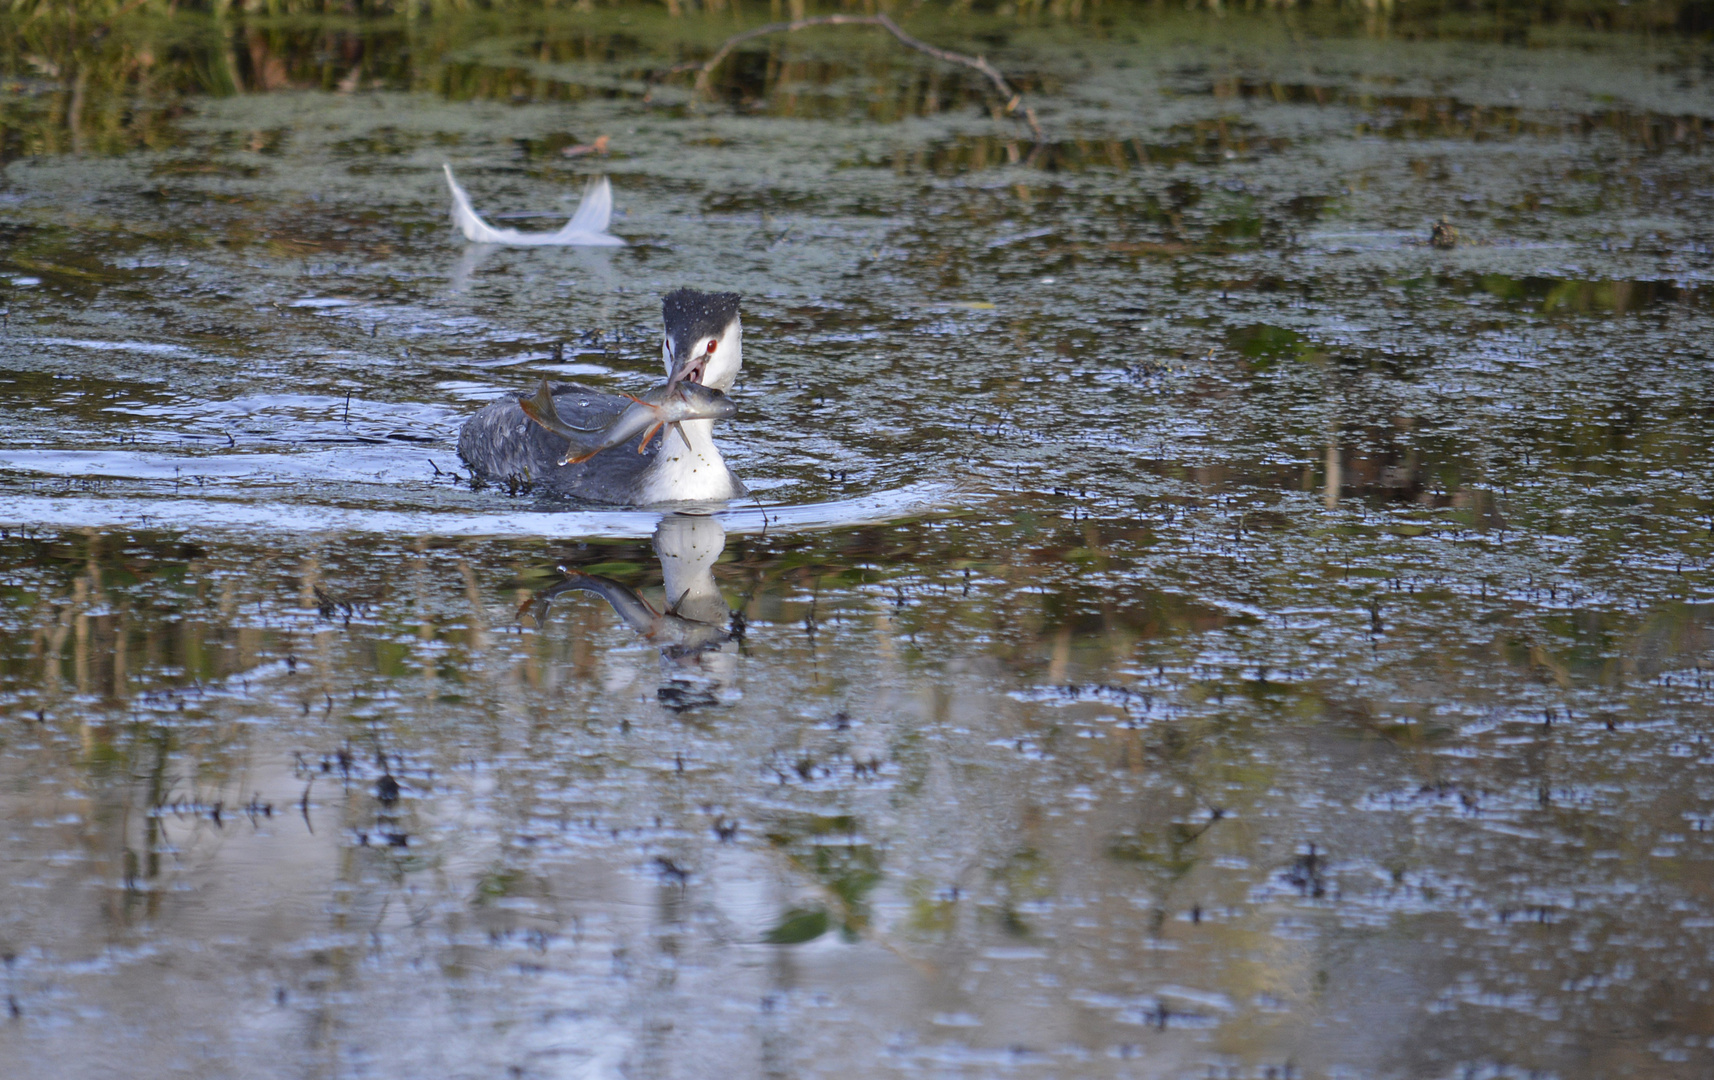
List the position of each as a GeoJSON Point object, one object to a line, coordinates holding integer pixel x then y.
{"type": "Point", "coordinates": [504, 446]}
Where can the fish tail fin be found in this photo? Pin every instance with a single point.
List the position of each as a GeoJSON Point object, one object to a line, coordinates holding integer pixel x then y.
{"type": "Point", "coordinates": [541, 409]}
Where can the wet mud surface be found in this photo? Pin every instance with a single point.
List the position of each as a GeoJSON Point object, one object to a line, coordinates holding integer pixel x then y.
{"type": "Point", "coordinates": [1190, 624]}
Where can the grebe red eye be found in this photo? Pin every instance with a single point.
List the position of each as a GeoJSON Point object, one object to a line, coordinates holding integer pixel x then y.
{"type": "Point", "coordinates": [711, 345]}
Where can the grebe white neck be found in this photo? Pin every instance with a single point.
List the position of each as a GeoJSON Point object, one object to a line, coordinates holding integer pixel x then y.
{"type": "Point", "coordinates": [698, 473]}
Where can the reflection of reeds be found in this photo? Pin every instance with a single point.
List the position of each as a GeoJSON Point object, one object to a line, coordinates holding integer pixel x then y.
{"type": "Point", "coordinates": [1462, 18]}
{"type": "Point", "coordinates": [103, 76]}
{"type": "Point", "coordinates": [1423, 14]}
{"type": "Point", "coordinates": [91, 94]}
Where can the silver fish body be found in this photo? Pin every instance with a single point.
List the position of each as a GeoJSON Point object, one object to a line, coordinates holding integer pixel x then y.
{"type": "Point", "coordinates": [675, 634]}
{"type": "Point", "coordinates": [665, 404]}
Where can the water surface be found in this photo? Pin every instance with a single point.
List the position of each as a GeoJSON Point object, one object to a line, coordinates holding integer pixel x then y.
{"type": "Point", "coordinates": [1189, 625]}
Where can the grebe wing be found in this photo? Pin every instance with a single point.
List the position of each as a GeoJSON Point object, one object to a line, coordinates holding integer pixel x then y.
{"type": "Point", "coordinates": [585, 407]}
{"type": "Point", "coordinates": [503, 445]}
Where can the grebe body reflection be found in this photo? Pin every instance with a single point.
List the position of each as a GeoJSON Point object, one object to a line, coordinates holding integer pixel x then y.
{"type": "Point", "coordinates": [692, 626]}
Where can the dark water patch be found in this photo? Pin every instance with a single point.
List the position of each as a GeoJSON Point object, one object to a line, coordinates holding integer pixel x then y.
{"type": "Point", "coordinates": [1267, 343]}
{"type": "Point", "coordinates": [1539, 294]}
{"type": "Point", "coordinates": [86, 395]}
{"type": "Point", "coordinates": [553, 146]}
{"type": "Point", "coordinates": [517, 85]}
{"type": "Point", "coordinates": [204, 167]}
{"type": "Point", "coordinates": [68, 271]}
{"type": "Point", "coordinates": [1307, 208]}
{"type": "Point", "coordinates": [1369, 465]}
{"type": "Point", "coordinates": [1198, 280]}
{"type": "Point", "coordinates": [1378, 469]}
{"type": "Point", "coordinates": [1549, 295]}
{"type": "Point", "coordinates": [1445, 117]}
{"type": "Point", "coordinates": [785, 82]}
{"type": "Point", "coordinates": [381, 142]}
{"type": "Point", "coordinates": [1203, 142]}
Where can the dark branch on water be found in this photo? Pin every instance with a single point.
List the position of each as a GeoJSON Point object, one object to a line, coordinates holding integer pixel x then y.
{"type": "Point", "coordinates": [1014, 106]}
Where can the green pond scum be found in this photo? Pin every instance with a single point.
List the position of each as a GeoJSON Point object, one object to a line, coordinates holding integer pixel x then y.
{"type": "Point", "coordinates": [1228, 590]}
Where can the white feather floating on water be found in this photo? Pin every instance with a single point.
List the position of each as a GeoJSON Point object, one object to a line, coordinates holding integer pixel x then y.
{"type": "Point", "coordinates": [587, 227]}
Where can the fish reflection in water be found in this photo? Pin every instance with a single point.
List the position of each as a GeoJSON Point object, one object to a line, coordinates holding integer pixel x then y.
{"type": "Point", "coordinates": [693, 628]}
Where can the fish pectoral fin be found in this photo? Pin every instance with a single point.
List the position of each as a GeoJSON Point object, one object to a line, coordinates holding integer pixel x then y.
{"type": "Point", "coordinates": [647, 435]}
{"type": "Point", "coordinates": [680, 429]}
{"type": "Point", "coordinates": [573, 457]}
{"type": "Point", "coordinates": [672, 608]}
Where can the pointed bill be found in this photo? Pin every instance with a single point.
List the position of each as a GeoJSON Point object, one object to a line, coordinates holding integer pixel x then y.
{"type": "Point", "coordinates": [587, 227]}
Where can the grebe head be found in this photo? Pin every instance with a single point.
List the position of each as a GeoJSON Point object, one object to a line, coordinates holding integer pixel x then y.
{"type": "Point", "coordinates": [704, 337]}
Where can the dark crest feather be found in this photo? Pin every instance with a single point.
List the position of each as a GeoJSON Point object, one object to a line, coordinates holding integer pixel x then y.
{"type": "Point", "coordinates": [689, 315]}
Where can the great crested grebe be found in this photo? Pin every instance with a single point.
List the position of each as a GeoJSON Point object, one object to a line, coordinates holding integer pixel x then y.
{"type": "Point", "coordinates": [703, 343]}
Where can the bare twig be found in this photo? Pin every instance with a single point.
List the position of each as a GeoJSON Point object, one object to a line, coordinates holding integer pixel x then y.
{"type": "Point", "coordinates": [1014, 101]}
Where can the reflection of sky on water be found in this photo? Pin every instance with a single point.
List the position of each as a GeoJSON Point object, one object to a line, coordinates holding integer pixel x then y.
{"type": "Point", "coordinates": [947, 788]}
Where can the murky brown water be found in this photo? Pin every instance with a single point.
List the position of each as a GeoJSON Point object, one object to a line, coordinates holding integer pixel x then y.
{"type": "Point", "coordinates": [1190, 627]}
